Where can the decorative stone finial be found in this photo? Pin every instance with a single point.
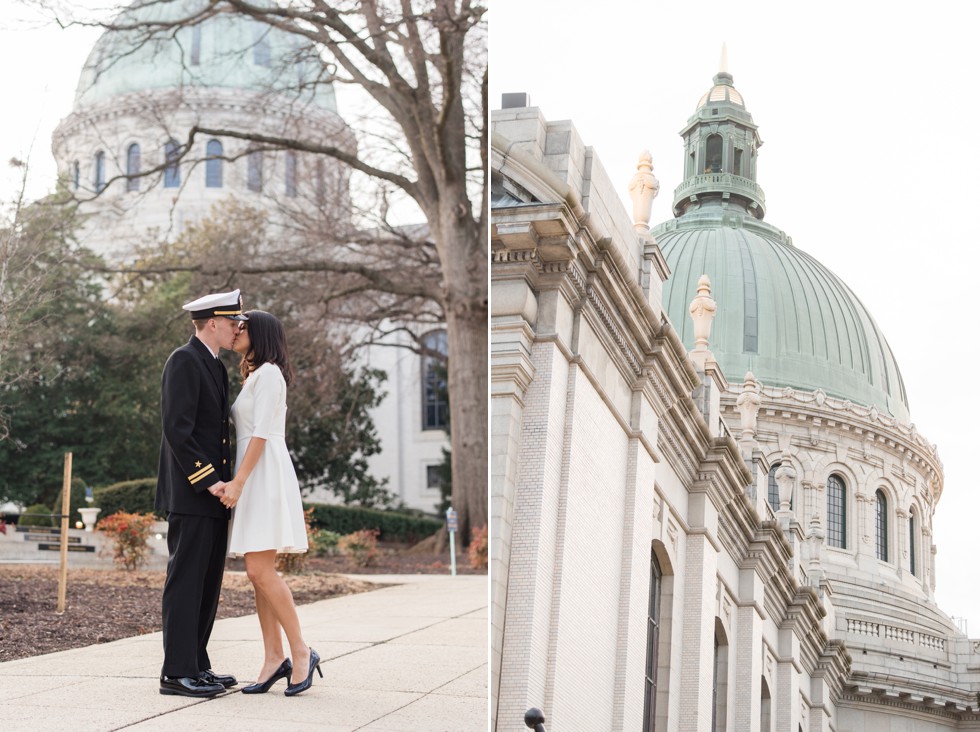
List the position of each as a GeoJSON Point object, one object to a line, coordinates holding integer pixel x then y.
{"type": "Point", "coordinates": [747, 406]}
{"type": "Point", "coordinates": [785, 480]}
{"type": "Point", "coordinates": [643, 188]}
{"type": "Point", "coordinates": [703, 309]}
{"type": "Point", "coordinates": [723, 68]}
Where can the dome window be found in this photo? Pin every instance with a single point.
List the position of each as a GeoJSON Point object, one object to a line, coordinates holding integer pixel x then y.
{"type": "Point", "coordinates": [712, 154]}
{"type": "Point", "coordinates": [133, 167]}
{"type": "Point", "coordinates": [171, 173]}
{"type": "Point", "coordinates": [738, 163]}
{"type": "Point", "coordinates": [261, 51]}
{"type": "Point", "coordinates": [255, 171]}
{"type": "Point", "coordinates": [196, 45]}
{"type": "Point", "coordinates": [836, 512]}
{"type": "Point", "coordinates": [912, 538]}
{"type": "Point", "coordinates": [774, 488]}
{"type": "Point", "coordinates": [76, 175]}
{"type": "Point", "coordinates": [291, 173]}
{"type": "Point", "coordinates": [881, 526]}
{"type": "Point", "coordinates": [213, 166]}
{"type": "Point", "coordinates": [99, 171]}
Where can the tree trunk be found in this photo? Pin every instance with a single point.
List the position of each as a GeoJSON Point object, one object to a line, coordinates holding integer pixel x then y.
{"type": "Point", "coordinates": [466, 312]}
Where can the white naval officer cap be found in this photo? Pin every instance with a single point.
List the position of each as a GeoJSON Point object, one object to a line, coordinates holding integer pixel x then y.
{"type": "Point", "coordinates": [219, 305]}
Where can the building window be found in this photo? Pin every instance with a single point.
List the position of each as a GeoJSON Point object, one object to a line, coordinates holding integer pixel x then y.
{"type": "Point", "coordinates": [712, 154]}
{"type": "Point", "coordinates": [171, 173]}
{"type": "Point", "coordinates": [213, 166]}
{"type": "Point", "coordinates": [291, 173]}
{"type": "Point", "coordinates": [773, 487]}
{"type": "Point", "coordinates": [881, 526]}
{"type": "Point", "coordinates": [836, 512]}
{"type": "Point", "coordinates": [653, 644]}
{"type": "Point", "coordinates": [738, 162]}
{"type": "Point", "coordinates": [255, 171]}
{"type": "Point", "coordinates": [196, 45]}
{"type": "Point", "coordinates": [765, 709]}
{"type": "Point", "coordinates": [76, 175]}
{"type": "Point", "coordinates": [261, 52]}
{"type": "Point", "coordinates": [133, 167]}
{"type": "Point", "coordinates": [912, 538]}
{"type": "Point", "coordinates": [433, 477]}
{"type": "Point", "coordinates": [719, 693]}
{"type": "Point", "coordinates": [99, 171]}
{"type": "Point", "coordinates": [321, 182]}
{"type": "Point", "coordinates": [435, 400]}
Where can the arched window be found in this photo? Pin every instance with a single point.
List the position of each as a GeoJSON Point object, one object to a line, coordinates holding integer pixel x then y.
{"type": "Point", "coordinates": [719, 692]}
{"type": "Point", "coordinates": [290, 173]}
{"type": "Point", "coordinates": [213, 166]}
{"type": "Point", "coordinates": [196, 45]}
{"type": "Point", "coordinates": [255, 171]}
{"type": "Point", "coordinates": [765, 709]}
{"type": "Point", "coordinates": [712, 154]}
{"type": "Point", "coordinates": [76, 175]}
{"type": "Point", "coordinates": [773, 487]}
{"type": "Point", "coordinates": [171, 173]}
{"type": "Point", "coordinates": [912, 539]}
{"type": "Point", "coordinates": [99, 171]}
{"type": "Point", "coordinates": [836, 512]}
{"type": "Point", "coordinates": [133, 167]}
{"type": "Point", "coordinates": [653, 643]}
{"type": "Point", "coordinates": [435, 398]}
{"type": "Point", "coordinates": [881, 526]}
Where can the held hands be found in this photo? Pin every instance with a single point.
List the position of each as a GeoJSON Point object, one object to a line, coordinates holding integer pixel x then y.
{"type": "Point", "coordinates": [227, 493]}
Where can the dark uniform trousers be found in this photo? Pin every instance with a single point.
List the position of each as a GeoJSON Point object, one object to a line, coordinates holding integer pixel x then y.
{"type": "Point", "coordinates": [195, 453]}
{"type": "Point", "coordinates": [190, 596]}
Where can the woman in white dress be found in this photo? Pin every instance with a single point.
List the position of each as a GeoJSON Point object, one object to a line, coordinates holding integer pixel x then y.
{"type": "Point", "coordinates": [268, 509]}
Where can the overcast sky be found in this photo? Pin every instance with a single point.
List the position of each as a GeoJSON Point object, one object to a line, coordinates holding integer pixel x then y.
{"type": "Point", "coordinates": [866, 112]}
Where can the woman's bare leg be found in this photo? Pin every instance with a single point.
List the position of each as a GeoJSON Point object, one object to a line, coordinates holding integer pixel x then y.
{"type": "Point", "coordinates": [271, 637]}
{"type": "Point", "coordinates": [261, 570]}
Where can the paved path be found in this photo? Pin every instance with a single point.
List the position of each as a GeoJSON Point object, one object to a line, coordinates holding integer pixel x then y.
{"type": "Point", "coordinates": [411, 656]}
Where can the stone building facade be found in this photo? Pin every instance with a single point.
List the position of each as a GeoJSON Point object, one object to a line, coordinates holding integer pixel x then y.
{"type": "Point", "coordinates": [710, 510]}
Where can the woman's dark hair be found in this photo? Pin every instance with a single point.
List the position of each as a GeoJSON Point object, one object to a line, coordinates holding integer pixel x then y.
{"type": "Point", "coordinates": [267, 345]}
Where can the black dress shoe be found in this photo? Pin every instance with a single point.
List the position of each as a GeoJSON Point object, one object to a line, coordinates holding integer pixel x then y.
{"type": "Point", "coordinates": [211, 677]}
{"type": "Point", "coordinates": [283, 672]}
{"type": "Point", "coordinates": [294, 689]}
{"type": "Point", "coordinates": [188, 686]}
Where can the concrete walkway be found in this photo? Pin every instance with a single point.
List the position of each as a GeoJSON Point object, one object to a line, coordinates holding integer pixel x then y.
{"type": "Point", "coordinates": [411, 656]}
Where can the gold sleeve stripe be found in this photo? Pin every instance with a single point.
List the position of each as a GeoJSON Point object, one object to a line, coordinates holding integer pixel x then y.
{"type": "Point", "coordinates": [200, 472]}
{"type": "Point", "coordinates": [227, 312]}
{"type": "Point", "coordinates": [202, 475]}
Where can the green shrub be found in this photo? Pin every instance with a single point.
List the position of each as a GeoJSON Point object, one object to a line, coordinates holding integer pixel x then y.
{"type": "Point", "coordinates": [131, 496]}
{"type": "Point", "coordinates": [325, 543]}
{"type": "Point", "coordinates": [36, 515]}
{"type": "Point", "coordinates": [391, 525]}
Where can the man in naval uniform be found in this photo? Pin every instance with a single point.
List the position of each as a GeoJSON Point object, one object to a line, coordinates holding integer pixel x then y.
{"type": "Point", "coordinates": [195, 463]}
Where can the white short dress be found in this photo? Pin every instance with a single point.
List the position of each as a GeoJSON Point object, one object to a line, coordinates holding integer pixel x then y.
{"type": "Point", "coordinates": [269, 514]}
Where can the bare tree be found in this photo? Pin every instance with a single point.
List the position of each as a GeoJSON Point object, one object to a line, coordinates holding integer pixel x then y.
{"type": "Point", "coordinates": [421, 67]}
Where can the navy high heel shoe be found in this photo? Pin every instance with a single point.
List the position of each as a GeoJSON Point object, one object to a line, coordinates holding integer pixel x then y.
{"type": "Point", "coordinates": [294, 689]}
{"type": "Point", "coordinates": [284, 671]}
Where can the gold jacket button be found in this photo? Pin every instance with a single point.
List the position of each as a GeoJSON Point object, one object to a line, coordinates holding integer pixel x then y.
{"type": "Point", "coordinates": [223, 462]}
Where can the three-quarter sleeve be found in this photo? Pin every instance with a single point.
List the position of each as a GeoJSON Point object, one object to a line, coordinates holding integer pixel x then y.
{"type": "Point", "coordinates": [270, 399]}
